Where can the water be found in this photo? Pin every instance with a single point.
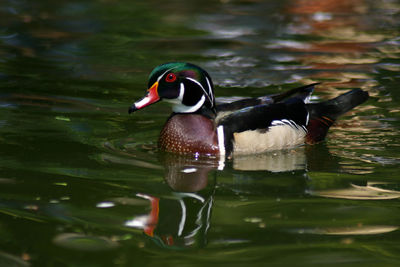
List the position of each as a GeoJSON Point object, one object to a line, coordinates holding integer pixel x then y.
{"type": "Point", "coordinates": [82, 182]}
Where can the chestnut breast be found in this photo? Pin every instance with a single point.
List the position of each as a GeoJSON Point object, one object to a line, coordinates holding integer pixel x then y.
{"type": "Point", "coordinates": [189, 134]}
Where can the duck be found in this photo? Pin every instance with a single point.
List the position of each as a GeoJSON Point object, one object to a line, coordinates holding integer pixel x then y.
{"type": "Point", "coordinates": [199, 126]}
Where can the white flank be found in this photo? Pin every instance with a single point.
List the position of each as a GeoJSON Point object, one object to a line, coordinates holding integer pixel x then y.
{"type": "Point", "coordinates": [221, 140]}
{"type": "Point", "coordinates": [282, 134]}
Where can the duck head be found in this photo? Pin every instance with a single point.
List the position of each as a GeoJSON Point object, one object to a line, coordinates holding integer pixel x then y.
{"type": "Point", "coordinates": [188, 87]}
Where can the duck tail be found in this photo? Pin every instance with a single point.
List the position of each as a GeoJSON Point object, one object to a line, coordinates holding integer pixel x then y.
{"type": "Point", "coordinates": [303, 93]}
{"type": "Point", "coordinates": [324, 114]}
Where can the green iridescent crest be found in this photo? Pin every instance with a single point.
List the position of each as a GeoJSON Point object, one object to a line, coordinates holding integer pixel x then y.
{"type": "Point", "coordinates": [182, 69]}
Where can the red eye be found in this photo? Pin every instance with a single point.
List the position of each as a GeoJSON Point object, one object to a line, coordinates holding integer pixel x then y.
{"type": "Point", "coordinates": [170, 78]}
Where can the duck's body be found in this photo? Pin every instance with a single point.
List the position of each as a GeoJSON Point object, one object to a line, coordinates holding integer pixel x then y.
{"type": "Point", "coordinates": [252, 125]}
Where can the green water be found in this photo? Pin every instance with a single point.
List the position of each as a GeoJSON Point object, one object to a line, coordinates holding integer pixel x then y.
{"type": "Point", "coordinates": [83, 184]}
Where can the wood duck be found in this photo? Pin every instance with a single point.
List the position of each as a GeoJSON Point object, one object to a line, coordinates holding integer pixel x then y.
{"type": "Point", "coordinates": [252, 125]}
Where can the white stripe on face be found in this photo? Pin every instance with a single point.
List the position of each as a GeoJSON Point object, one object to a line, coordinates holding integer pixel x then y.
{"type": "Point", "coordinates": [210, 90]}
{"type": "Point", "coordinates": [181, 92]}
{"type": "Point", "coordinates": [181, 108]}
{"type": "Point", "coordinates": [308, 118]}
{"type": "Point", "coordinates": [202, 88]}
{"type": "Point", "coordinates": [159, 77]}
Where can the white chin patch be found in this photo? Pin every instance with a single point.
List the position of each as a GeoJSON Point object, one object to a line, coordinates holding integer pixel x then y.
{"type": "Point", "coordinates": [181, 108]}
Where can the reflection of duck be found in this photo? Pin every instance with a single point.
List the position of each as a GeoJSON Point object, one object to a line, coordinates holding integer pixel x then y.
{"type": "Point", "coordinates": [276, 161]}
{"type": "Point", "coordinates": [188, 174]}
{"type": "Point", "coordinates": [177, 221]}
{"type": "Point", "coordinates": [182, 218]}
{"type": "Point", "coordinates": [247, 126]}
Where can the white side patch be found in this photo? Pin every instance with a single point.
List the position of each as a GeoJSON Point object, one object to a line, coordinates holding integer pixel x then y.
{"type": "Point", "coordinates": [282, 134]}
{"type": "Point", "coordinates": [221, 145]}
{"type": "Point", "coordinates": [221, 140]}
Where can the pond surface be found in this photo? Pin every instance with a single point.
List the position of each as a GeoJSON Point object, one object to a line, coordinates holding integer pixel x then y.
{"type": "Point", "coordinates": [83, 184]}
